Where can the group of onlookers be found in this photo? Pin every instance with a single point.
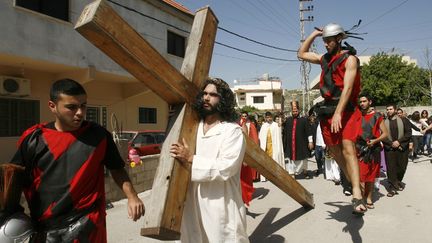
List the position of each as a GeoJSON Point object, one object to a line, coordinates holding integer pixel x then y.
{"type": "Point", "coordinates": [292, 140]}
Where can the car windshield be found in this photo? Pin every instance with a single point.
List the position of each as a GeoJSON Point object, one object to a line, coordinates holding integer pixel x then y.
{"type": "Point", "coordinates": [160, 137]}
{"type": "Point", "coordinates": [126, 135]}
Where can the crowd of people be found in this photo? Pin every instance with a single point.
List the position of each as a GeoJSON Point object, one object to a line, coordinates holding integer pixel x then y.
{"type": "Point", "coordinates": [383, 146]}
{"type": "Point", "coordinates": [64, 160]}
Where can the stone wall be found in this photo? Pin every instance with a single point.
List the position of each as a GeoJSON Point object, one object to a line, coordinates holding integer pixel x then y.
{"type": "Point", "coordinates": [141, 176]}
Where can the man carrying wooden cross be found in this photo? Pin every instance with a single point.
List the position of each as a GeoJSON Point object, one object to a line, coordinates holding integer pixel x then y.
{"type": "Point", "coordinates": [214, 210]}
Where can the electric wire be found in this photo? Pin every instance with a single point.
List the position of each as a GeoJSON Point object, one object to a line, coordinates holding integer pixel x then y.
{"type": "Point", "coordinates": [244, 9]}
{"type": "Point", "coordinates": [257, 42]}
{"type": "Point", "coordinates": [147, 16]}
{"type": "Point", "coordinates": [385, 13]}
{"type": "Point", "coordinates": [256, 54]}
{"type": "Point", "coordinates": [270, 17]}
{"type": "Point", "coordinates": [248, 60]}
{"type": "Point", "coordinates": [218, 43]}
{"type": "Point", "coordinates": [275, 13]}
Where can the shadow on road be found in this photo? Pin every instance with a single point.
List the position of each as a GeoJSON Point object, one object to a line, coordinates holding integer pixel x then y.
{"type": "Point", "coordinates": [264, 232]}
{"type": "Point", "coordinates": [260, 193]}
{"type": "Point", "coordinates": [344, 215]}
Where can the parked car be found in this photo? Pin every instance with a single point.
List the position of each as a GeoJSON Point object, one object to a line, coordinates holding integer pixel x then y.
{"type": "Point", "coordinates": [145, 142]}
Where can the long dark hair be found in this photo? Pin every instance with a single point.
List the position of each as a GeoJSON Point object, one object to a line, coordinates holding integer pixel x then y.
{"type": "Point", "coordinates": [415, 116]}
{"type": "Point", "coordinates": [226, 104]}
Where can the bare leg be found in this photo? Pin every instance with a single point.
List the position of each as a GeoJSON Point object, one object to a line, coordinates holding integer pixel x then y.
{"type": "Point", "coordinates": [363, 189]}
{"type": "Point", "coordinates": [345, 156]}
{"type": "Point", "coordinates": [369, 187]}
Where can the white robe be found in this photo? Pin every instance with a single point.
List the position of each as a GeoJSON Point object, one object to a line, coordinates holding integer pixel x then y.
{"type": "Point", "coordinates": [214, 210]}
{"type": "Point", "coordinates": [277, 146]}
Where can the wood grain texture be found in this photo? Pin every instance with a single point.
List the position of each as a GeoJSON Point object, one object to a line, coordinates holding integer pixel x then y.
{"type": "Point", "coordinates": [255, 157]}
{"type": "Point", "coordinates": [172, 178]}
{"type": "Point", "coordinates": [105, 29]}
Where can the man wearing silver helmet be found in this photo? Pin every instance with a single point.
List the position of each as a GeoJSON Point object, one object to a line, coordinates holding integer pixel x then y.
{"type": "Point", "coordinates": [339, 116]}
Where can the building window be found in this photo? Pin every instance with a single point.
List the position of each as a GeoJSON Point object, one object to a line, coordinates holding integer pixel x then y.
{"type": "Point", "coordinates": [258, 99]}
{"type": "Point", "coordinates": [17, 115]}
{"type": "Point", "coordinates": [147, 115]}
{"type": "Point", "coordinates": [97, 115]}
{"type": "Point", "coordinates": [242, 93]}
{"type": "Point", "coordinates": [55, 8]}
{"type": "Point", "coordinates": [242, 98]}
{"type": "Point", "coordinates": [176, 44]}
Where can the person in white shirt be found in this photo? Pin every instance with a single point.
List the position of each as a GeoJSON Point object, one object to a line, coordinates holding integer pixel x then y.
{"type": "Point", "coordinates": [417, 134]}
{"type": "Point", "coordinates": [214, 210]}
{"type": "Point", "coordinates": [270, 138]}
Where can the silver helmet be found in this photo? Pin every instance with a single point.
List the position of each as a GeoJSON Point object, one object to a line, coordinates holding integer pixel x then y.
{"type": "Point", "coordinates": [17, 228]}
{"type": "Point", "coordinates": [333, 29]}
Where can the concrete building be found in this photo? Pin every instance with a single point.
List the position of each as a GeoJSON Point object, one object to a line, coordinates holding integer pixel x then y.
{"type": "Point", "coordinates": [39, 45]}
{"type": "Point", "coordinates": [265, 95]}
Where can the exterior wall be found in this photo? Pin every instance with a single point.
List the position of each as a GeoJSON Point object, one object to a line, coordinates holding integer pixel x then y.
{"type": "Point", "coordinates": [271, 90]}
{"type": "Point", "coordinates": [44, 49]}
{"type": "Point", "coordinates": [268, 100]}
{"type": "Point", "coordinates": [141, 177]}
{"type": "Point", "coordinates": [34, 35]}
{"type": "Point", "coordinates": [111, 96]}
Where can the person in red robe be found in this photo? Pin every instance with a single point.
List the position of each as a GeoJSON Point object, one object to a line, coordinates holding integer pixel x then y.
{"type": "Point", "coordinates": [248, 175]}
{"type": "Point", "coordinates": [373, 131]}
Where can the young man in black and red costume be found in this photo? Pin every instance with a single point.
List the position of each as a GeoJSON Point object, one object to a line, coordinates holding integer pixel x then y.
{"type": "Point", "coordinates": [339, 116]}
{"type": "Point", "coordinates": [373, 131]}
{"type": "Point", "coordinates": [64, 163]}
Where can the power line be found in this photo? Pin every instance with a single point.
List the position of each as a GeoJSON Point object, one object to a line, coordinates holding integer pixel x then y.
{"type": "Point", "coordinates": [385, 13]}
{"type": "Point", "coordinates": [249, 60]}
{"type": "Point", "coordinates": [252, 25]}
{"type": "Point", "coordinates": [257, 42]}
{"type": "Point", "coordinates": [286, 7]}
{"type": "Point", "coordinates": [271, 17]}
{"type": "Point", "coordinates": [244, 9]}
{"type": "Point", "coordinates": [256, 54]}
{"type": "Point", "coordinates": [147, 16]}
{"type": "Point", "coordinates": [274, 12]}
{"type": "Point", "coordinates": [228, 46]}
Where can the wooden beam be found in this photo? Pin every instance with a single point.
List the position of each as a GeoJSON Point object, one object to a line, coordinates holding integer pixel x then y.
{"type": "Point", "coordinates": [117, 39]}
{"type": "Point", "coordinates": [105, 29]}
{"type": "Point", "coordinates": [172, 178]}
{"type": "Point", "coordinates": [196, 64]}
{"type": "Point", "coordinates": [255, 157]}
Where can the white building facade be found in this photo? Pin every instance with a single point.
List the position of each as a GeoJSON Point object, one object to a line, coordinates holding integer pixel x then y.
{"type": "Point", "coordinates": [266, 95]}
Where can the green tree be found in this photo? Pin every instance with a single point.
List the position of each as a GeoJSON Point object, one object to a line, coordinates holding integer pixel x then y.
{"type": "Point", "coordinates": [389, 80]}
{"type": "Point", "coordinates": [247, 108]}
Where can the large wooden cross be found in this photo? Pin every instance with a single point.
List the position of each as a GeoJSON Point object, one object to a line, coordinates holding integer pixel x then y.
{"type": "Point", "coordinates": [103, 27]}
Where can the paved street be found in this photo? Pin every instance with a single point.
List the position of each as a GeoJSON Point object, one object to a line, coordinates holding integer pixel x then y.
{"type": "Point", "coordinates": [277, 218]}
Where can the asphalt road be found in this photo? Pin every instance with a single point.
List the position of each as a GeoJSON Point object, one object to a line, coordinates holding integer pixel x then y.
{"type": "Point", "coordinates": [275, 217]}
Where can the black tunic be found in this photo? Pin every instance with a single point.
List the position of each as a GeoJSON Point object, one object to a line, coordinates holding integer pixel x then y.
{"type": "Point", "coordinates": [302, 132]}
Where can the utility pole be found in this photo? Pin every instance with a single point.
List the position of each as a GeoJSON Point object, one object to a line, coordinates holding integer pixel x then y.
{"type": "Point", "coordinates": [305, 67]}
{"type": "Point", "coordinates": [429, 67]}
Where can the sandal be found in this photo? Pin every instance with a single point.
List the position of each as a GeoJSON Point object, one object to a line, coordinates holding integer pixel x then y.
{"type": "Point", "coordinates": [370, 205]}
{"type": "Point", "coordinates": [355, 203]}
{"type": "Point", "coordinates": [392, 193]}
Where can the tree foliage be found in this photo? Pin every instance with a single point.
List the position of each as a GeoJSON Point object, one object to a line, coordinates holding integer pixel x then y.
{"type": "Point", "coordinates": [247, 108]}
{"type": "Point", "coordinates": [390, 80]}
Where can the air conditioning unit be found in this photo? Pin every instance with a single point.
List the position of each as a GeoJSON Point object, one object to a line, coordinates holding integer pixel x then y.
{"type": "Point", "coordinates": [12, 86]}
